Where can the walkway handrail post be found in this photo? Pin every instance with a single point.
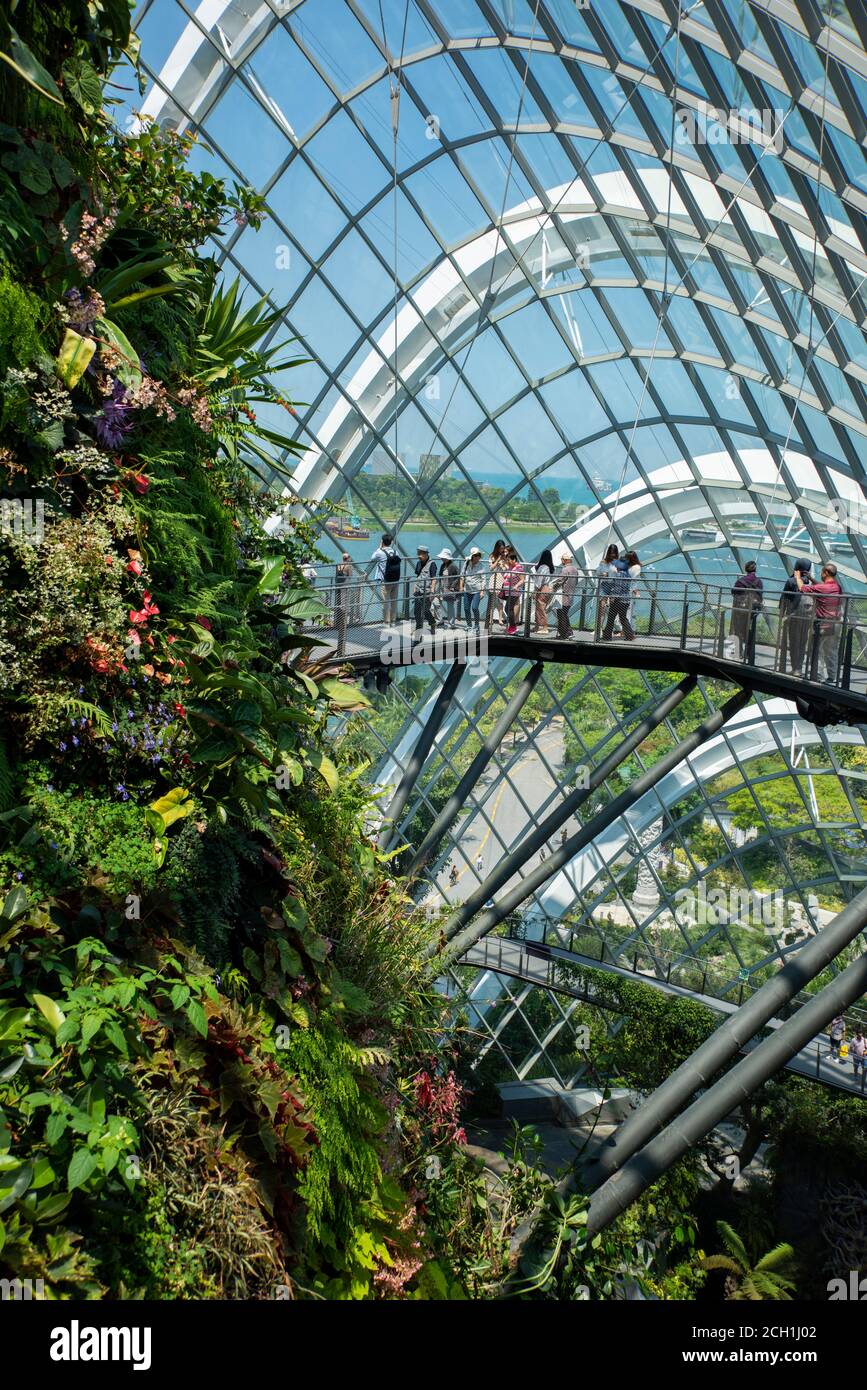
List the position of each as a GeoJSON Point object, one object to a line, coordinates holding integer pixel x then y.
{"type": "Point", "coordinates": [582, 614]}
{"type": "Point", "coordinates": [816, 638]}
{"type": "Point", "coordinates": [648, 1164]}
{"type": "Point", "coordinates": [721, 635]}
{"type": "Point", "coordinates": [846, 669]}
{"type": "Point", "coordinates": [750, 652]}
{"type": "Point", "coordinates": [651, 618]}
{"type": "Point", "coordinates": [529, 593]}
{"type": "Point", "coordinates": [730, 1037]}
{"type": "Point", "coordinates": [684, 622]}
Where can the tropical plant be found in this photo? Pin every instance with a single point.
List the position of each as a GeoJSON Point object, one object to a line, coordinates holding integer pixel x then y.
{"type": "Point", "coordinates": [767, 1279]}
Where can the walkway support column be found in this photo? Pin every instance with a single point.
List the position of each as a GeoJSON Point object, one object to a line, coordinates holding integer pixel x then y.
{"type": "Point", "coordinates": [616, 808]}
{"type": "Point", "coordinates": [552, 823]}
{"type": "Point", "coordinates": [728, 1039]}
{"type": "Point", "coordinates": [458, 797]}
{"type": "Point", "coordinates": [419, 754]}
{"type": "Point", "coordinates": [646, 1166]}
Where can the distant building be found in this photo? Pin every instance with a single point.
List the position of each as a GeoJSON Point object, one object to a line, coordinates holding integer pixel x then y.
{"type": "Point", "coordinates": [428, 466]}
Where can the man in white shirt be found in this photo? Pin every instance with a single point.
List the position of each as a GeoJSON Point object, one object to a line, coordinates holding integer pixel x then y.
{"type": "Point", "coordinates": [387, 576]}
{"type": "Point", "coordinates": [565, 582]}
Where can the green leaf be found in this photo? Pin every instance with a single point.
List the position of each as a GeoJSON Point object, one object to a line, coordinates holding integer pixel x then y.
{"type": "Point", "coordinates": [55, 1127]}
{"type": "Point", "coordinates": [179, 996]}
{"type": "Point", "coordinates": [66, 1032]}
{"type": "Point", "coordinates": [114, 1033]}
{"type": "Point", "coordinates": [246, 714]}
{"type": "Point", "coordinates": [343, 695]}
{"type": "Point", "coordinates": [174, 806]}
{"type": "Point", "coordinates": [90, 1026]}
{"type": "Point", "coordinates": [83, 84]}
{"type": "Point", "coordinates": [127, 370]}
{"type": "Point", "coordinates": [216, 748]}
{"type": "Point", "coordinates": [73, 358]}
{"type": "Point", "coordinates": [30, 69]}
{"type": "Point", "coordinates": [196, 1014]}
{"type": "Point", "coordinates": [12, 1022]}
{"type": "Point", "coordinates": [49, 1010]}
{"type": "Point", "coordinates": [325, 767]}
{"type": "Point", "coordinates": [52, 1207]}
{"type": "Point", "coordinates": [81, 1165]}
{"type": "Point", "coordinates": [11, 1191]}
{"type": "Point", "coordinates": [14, 905]}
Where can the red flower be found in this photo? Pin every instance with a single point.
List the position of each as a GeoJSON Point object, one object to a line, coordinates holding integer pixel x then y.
{"type": "Point", "coordinates": [179, 709]}
{"type": "Point", "coordinates": [142, 483]}
{"type": "Point", "coordinates": [203, 622]}
{"type": "Point", "coordinates": [134, 567]}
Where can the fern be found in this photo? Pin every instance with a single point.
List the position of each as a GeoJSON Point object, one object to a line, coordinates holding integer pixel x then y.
{"type": "Point", "coordinates": [81, 709]}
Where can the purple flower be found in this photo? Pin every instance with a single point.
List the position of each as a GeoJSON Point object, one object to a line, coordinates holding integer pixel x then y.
{"type": "Point", "coordinates": [114, 424]}
{"type": "Point", "coordinates": [19, 875]}
{"type": "Point", "coordinates": [74, 741]}
{"type": "Point", "coordinates": [63, 747]}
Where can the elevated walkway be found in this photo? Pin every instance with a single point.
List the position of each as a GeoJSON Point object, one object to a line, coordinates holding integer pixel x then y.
{"type": "Point", "coordinates": [819, 662]}
{"type": "Point", "coordinates": [558, 970]}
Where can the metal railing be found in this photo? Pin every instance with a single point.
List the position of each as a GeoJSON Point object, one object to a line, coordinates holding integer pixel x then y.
{"type": "Point", "coordinates": [536, 963]}
{"type": "Point", "coordinates": [818, 638]}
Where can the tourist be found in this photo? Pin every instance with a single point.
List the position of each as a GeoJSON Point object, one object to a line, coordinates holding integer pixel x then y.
{"type": "Point", "coordinates": [453, 876]}
{"type": "Point", "coordinates": [606, 574]}
{"type": "Point", "coordinates": [387, 576]}
{"type": "Point", "coordinates": [479, 862]}
{"type": "Point", "coordinates": [345, 594]}
{"type": "Point", "coordinates": [496, 566]}
{"type": "Point", "coordinates": [565, 583]}
{"type": "Point", "coordinates": [563, 836]}
{"type": "Point", "coordinates": [795, 616]}
{"type": "Point", "coordinates": [422, 591]}
{"type": "Point", "coordinates": [512, 589]}
{"type": "Point", "coordinates": [473, 584]}
{"type": "Point", "coordinates": [858, 1051]}
{"type": "Point", "coordinates": [633, 570]}
{"type": "Point", "coordinates": [837, 1036]}
{"type": "Point", "coordinates": [543, 573]}
{"type": "Point", "coordinates": [449, 585]}
{"type": "Point", "coordinates": [618, 600]}
{"type": "Point", "coordinates": [828, 605]}
{"type": "Point", "coordinates": [747, 596]}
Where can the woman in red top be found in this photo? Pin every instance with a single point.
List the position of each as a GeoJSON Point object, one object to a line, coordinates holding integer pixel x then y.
{"type": "Point", "coordinates": [512, 586]}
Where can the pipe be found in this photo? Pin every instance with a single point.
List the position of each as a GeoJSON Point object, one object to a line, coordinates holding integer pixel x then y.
{"type": "Point", "coordinates": [543, 832]}
{"type": "Point", "coordinates": [475, 770]}
{"type": "Point", "coordinates": [728, 1039]}
{"type": "Point", "coordinates": [617, 807]}
{"type": "Point", "coordinates": [763, 1062]}
{"type": "Point", "coordinates": [419, 754]}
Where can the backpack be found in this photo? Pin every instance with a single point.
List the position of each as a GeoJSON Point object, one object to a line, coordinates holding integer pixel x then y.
{"type": "Point", "coordinates": [391, 573]}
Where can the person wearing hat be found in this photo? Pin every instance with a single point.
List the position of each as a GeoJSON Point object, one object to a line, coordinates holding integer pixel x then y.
{"type": "Point", "coordinates": [473, 584]}
{"type": "Point", "coordinates": [449, 586]}
{"type": "Point", "coordinates": [747, 592]}
{"type": "Point", "coordinates": [565, 583]}
{"type": "Point", "coordinates": [794, 620]}
{"type": "Point", "coordinates": [423, 591]}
